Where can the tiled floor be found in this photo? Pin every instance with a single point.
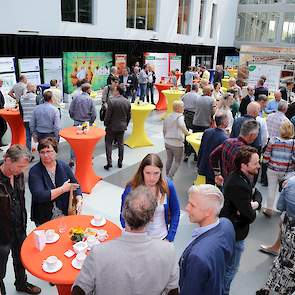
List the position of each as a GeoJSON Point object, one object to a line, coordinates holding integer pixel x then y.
{"type": "Point", "coordinates": [106, 199]}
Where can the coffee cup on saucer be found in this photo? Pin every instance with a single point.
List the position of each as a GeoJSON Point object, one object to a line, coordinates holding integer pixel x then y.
{"type": "Point", "coordinates": [50, 234]}
{"type": "Point", "coordinates": [80, 247]}
{"type": "Point", "coordinates": [97, 219]}
{"type": "Point", "coordinates": [102, 234]}
{"type": "Point", "coordinates": [51, 262]}
{"type": "Point", "coordinates": [80, 258]}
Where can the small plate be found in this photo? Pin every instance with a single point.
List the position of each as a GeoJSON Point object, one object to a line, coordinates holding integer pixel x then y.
{"type": "Point", "coordinates": [56, 238]}
{"type": "Point", "coordinates": [103, 222]}
{"type": "Point", "coordinates": [75, 264]}
{"type": "Point", "coordinates": [57, 268]}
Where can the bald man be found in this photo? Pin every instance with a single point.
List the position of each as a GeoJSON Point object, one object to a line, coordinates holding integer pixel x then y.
{"type": "Point", "coordinates": [253, 110]}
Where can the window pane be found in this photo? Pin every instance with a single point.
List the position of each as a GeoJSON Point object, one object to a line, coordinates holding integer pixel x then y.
{"type": "Point", "coordinates": [202, 15]}
{"type": "Point", "coordinates": [85, 11]}
{"type": "Point", "coordinates": [152, 13]}
{"type": "Point", "coordinates": [68, 10]}
{"type": "Point", "coordinates": [288, 34]}
{"type": "Point", "coordinates": [213, 21]}
{"type": "Point", "coordinates": [140, 14]}
{"type": "Point", "coordinates": [180, 14]}
{"type": "Point", "coordinates": [186, 16]}
{"type": "Point", "coordinates": [130, 13]}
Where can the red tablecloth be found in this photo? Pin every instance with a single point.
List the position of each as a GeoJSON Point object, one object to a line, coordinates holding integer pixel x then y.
{"type": "Point", "coordinates": [32, 258]}
{"type": "Point", "coordinates": [83, 146]}
{"type": "Point", "coordinates": [162, 104]}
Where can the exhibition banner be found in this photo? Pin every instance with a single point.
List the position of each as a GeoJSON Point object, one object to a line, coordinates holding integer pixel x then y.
{"type": "Point", "coordinates": [33, 77]}
{"type": "Point", "coordinates": [91, 66]}
{"type": "Point", "coordinates": [120, 62]}
{"type": "Point", "coordinates": [52, 70]}
{"type": "Point", "coordinates": [175, 62]}
{"type": "Point", "coordinates": [6, 64]}
{"type": "Point", "coordinates": [272, 73]}
{"type": "Point", "coordinates": [231, 61]}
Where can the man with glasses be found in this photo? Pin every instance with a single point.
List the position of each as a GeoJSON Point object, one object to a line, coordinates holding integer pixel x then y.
{"type": "Point", "coordinates": [203, 262]}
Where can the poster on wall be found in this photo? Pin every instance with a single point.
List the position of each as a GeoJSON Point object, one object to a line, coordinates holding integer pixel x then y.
{"type": "Point", "coordinates": [8, 81]}
{"type": "Point", "coordinates": [33, 77]}
{"type": "Point", "coordinates": [231, 61]}
{"type": "Point", "coordinates": [6, 64]}
{"type": "Point", "coordinates": [52, 70]}
{"type": "Point", "coordinates": [29, 65]}
{"type": "Point", "coordinates": [272, 73]}
{"type": "Point", "coordinates": [175, 62]}
{"type": "Point", "coordinates": [92, 66]}
{"type": "Point", "coordinates": [120, 62]}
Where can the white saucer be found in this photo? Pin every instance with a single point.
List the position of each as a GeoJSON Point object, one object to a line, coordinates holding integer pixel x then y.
{"type": "Point", "coordinates": [75, 264]}
{"type": "Point", "coordinates": [57, 268]}
{"type": "Point", "coordinates": [103, 222]}
{"type": "Point", "coordinates": [56, 238]}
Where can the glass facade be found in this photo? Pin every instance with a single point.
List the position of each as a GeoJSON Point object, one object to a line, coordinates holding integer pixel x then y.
{"type": "Point", "coordinates": [288, 33]}
{"type": "Point", "coordinates": [183, 16]}
{"type": "Point", "coordinates": [257, 26]}
{"type": "Point", "coordinates": [141, 14]}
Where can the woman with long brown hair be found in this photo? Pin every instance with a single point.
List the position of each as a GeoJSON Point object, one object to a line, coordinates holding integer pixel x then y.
{"type": "Point", "coordinates": [166, 217]}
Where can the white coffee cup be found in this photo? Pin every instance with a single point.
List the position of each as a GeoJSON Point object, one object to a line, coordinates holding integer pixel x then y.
{"type": "Point", "coordinates": [51, 262]}
{"type": "Point", "coordinates": [80, 258]}
{"type": "Point", "coordinates": [80, 247]}
{"type": "Point", "coordinates": [97, 219]}
{"type": "Point", "coordinates": [50, 233]}
{"type": "Point", "coordinates": [102, 234]}
{"type": "Point", "coordinates": [91, 240]}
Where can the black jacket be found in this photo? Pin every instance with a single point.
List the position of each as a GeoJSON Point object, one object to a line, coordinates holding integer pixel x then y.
{"type": "Point", "coordinates": [244, 103]}
{"type": "Point", "coordinates": [238, 194]}
{"type": "Point", "coordinates": [260, 90]}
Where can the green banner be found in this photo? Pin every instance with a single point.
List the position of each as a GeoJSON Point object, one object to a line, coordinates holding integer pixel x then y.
{"type": "Point", "coordinates": [91, 66]}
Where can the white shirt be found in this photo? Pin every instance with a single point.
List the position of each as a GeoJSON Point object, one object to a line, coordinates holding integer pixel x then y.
{"type": "Point", "coordinates": [264, 131]}
{"type": "Point", "coordinates": [157, 228]}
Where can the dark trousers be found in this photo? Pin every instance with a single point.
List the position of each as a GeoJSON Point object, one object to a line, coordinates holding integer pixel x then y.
{"type": "Point", "coordinates": [150, 89]}
{"type": "Point", "coordinates": [114, 136]}
{"type": "Point", "coordinates": [199, 128]}
{"type": "Point", "coordinates": [19, 270]}
{"type": "Point", "coordinates": [188, 120]}
{"type": "Point", "coordinates": [3, 128]}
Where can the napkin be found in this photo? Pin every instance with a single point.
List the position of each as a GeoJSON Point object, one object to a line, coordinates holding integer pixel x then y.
{"type": "Point", "coordinates": [39, 239]}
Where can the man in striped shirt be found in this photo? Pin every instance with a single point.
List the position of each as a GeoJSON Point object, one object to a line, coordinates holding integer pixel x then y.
{"type": "Point", "coordinates": [222, 158]}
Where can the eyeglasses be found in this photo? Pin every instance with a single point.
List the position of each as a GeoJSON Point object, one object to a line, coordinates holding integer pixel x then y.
{"type": "Point", "coordinates": [43, 153]}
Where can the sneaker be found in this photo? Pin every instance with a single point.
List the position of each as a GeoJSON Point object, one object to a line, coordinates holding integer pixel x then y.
{"type": "Point", "coordinates": [29, 289]}
{"type": "Point", "coordinates": [107, 167]}
{"type": "Point", "coordinates": [185, 159]}
{"type": "Point", "coordinates": [120, 165]}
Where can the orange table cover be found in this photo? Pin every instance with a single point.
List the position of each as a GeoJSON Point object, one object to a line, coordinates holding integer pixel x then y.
{"type": "Point", "coordinates": [32, 258]}
{"type": "Point", "coordinates": [83, 146]}
{"type": "Point", "coordinates": [162, 103]}
{"type": "Point", "coordinates": [16, 124]}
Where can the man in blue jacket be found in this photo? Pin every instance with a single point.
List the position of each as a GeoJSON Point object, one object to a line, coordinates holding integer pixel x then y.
{"type": "Point", "coordinates": [202, 264]}
{"type": "Point", "coordinates": [211, 139]}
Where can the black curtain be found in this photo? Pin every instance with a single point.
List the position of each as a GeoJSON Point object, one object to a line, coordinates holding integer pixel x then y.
{"type": "Point", "coordinates": [24, 46]}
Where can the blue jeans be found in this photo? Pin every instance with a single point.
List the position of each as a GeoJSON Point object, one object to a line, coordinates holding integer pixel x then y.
{"type": "Point", "coordinates": [142, 91]}
{"type": "Point", "coordinates": [28, 136]}
{"type": "Point", "coordinates": [233, 266]}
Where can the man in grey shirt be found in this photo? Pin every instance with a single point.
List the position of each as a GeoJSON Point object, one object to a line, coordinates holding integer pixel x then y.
{"type": "Point", "coordinates": [204, 110]}
{"type": "Point", "coordinates": [19, 89]}
{"type": "Point", "coordinates": [45, 119]}
{"type": "Point", "coordinates": [134, 263]}
{"type": "Point", "coordinates": [142, 81]}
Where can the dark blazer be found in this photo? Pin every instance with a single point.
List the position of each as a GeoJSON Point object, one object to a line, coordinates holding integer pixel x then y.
{"type": "Point", "coordinates": [283, 91]}
{"type": "Point", "coordinates": [132, 81]}
{"type": "Point", "coordinates": [211, 139]}
{"type": "Point", "coordinates": [2, 100]}
{"type": "Point", "coordinates": [244, 103]}
{"type": "Point", "coordinates": [3, 124]}
{"type": "Point", "coordinates": [260, 90]}
{"type": "Point", "coordinates": [40, 186]}
{"type": "Point", "coordinates": [118, 114]}
{"type": "Point", "coordinates": [291, 110]}
{"type": "Point", "coordinates": [202, 264]}
{"type": "Point", "coordinates": [238, 194]}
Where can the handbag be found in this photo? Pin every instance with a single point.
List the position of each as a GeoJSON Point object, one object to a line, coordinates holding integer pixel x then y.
{"type": "Point", "coordinates": [72, 209]}
{"type": "Point", "coordinates": [281, 181]}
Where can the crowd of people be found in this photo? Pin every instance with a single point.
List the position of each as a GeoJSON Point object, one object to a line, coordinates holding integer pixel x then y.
{"type": "Point", "coordinates": [243, 136]}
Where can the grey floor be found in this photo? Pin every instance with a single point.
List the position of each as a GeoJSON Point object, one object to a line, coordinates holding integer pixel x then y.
{"type": "Point", "coordinates": [105, 199]}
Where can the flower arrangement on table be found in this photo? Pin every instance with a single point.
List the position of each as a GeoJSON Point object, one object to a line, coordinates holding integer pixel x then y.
{"type": "Point", "coordinates": [76, 234]}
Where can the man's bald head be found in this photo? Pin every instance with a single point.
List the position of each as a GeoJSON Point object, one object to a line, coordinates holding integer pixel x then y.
{"type": "Point", "coordinates": [253, 109]}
